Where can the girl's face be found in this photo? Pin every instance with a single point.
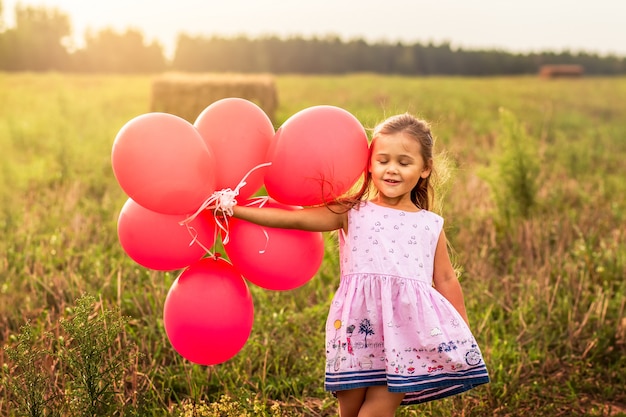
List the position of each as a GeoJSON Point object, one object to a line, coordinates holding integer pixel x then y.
{"type": "Point", "coordinates": [396, 165]}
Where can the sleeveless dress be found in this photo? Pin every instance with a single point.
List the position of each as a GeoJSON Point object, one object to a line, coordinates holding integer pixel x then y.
{"type": "Point", "coordinates": [387, 324]}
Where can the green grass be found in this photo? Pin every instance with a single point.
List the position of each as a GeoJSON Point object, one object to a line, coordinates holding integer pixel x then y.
{"type": "Point", "coordinates": [544, 290]}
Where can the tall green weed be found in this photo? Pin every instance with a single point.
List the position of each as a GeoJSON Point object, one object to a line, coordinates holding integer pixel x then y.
{"type": "Point", "coordinates": [513, 175]}
{"type": "Point", "coordinates": [76, 367]}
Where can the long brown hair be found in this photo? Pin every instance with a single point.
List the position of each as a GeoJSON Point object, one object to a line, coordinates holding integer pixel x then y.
{"type": "Point", "coordinates": [422, 195]}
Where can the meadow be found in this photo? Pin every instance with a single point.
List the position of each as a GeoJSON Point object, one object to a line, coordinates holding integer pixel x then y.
{"type": "Point", "coordinates": [535, 206]}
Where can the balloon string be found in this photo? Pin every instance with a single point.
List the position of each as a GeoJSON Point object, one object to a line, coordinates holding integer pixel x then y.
{"type": "Point", "coordinates": [222, 203]}
{"type": "Point", "coordinates": [194, 239]}
{"type": "Point", "coordinates": [261, 201]}
{"type": "Point", "coordinates": [267, 241]}
{"type": "Point", "coordinates": [258, 201]}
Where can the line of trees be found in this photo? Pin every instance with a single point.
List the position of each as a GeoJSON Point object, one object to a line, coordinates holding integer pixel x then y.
{"type": "Point", "coordinates": [38, 42]}
{"type": "Point", "coordinates": [331, 55]}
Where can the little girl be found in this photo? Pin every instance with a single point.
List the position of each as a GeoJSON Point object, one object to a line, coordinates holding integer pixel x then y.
{"type": "Point", "coordinates": [397, 332]}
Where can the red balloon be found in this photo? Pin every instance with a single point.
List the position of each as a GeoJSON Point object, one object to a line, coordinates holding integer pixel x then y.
{"type": "Point", "coordinates": [158, 241]}
{"type": "Point", "coordinates": [239, 133]}
{"type": "Point", "coordinates": [208, 312]}
{"type": "Point", "coordinates": [161, 161]}
{"type": "Point", "coordinates": [317, 155]}
{"type": "Point", "coordinates": [274, 259]}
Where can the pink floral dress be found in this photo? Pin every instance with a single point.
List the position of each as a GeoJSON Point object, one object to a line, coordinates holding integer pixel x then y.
{"type": "Point", "coordinates": [387, 324]}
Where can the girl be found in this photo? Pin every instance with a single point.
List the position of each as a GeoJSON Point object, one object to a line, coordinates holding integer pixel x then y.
{"type": "Point", "coordinates": [397, 332]}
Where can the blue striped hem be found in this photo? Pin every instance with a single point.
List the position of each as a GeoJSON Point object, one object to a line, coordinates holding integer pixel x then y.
{"type": "Point", "coordinates": [442, 392]}
{"type": "Point", "coordinates": [435, 380]}
{"type": "Point", "coordinates": [418, 389]}
{"type": "Point", "coordinates": [358, 379]}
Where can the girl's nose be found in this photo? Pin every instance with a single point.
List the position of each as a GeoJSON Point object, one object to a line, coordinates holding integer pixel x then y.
{"type": "Point", "coordinates": [392, 168]}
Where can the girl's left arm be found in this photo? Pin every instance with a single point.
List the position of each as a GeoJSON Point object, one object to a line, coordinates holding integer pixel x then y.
{"type": "Point", "coordinates": [445, 279]}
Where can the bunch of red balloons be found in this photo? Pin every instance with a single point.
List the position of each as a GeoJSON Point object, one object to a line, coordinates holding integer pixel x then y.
{"type": "Point", "coordinates": [170, 168]}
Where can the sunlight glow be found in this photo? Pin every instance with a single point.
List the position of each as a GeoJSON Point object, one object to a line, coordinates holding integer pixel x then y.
{"type": "Point", "coordinates": [532, 25]}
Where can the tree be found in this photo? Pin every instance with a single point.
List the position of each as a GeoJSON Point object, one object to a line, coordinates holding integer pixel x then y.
{"type": "Point", "coordinates": [365, 327]}
{"type": "Point", "coordinates": [36, 42]}
{"type": "Point", "coordinates": [110, 51]}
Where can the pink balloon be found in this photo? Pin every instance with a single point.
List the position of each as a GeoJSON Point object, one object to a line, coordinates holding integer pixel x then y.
{"type": "Point", "coordinates": [274, 259]}
{"type": "Point", "coordinates": [161, 161]}
{"type": "Point", "coordinates": [239, 133]}
{"type": "Point", "coordinates": [208, 312]}
{"type": "Point", "coordinates": [158, 241]}
{"type": "Point", "coordinates": [317, 155]}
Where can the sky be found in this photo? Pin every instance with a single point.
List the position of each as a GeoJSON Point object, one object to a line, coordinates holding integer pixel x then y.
{"type": "Point", "coordinates": [511, 25]}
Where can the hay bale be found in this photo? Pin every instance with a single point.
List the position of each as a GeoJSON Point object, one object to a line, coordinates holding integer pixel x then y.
{"type": "Point", "coordinates": [554, 71]}
{"type": "Point", "coordinates": [186, 95]}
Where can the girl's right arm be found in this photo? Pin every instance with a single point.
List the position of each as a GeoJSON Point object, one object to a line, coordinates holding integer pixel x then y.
{"type": "Point", "coordinates": [312, 219]}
